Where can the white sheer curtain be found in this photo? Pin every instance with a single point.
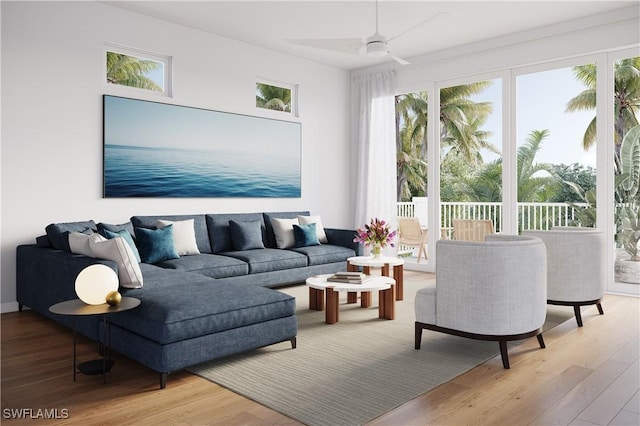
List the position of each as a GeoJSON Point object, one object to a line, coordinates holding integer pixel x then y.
{"type": "Point", "coordinates": [375, 147]}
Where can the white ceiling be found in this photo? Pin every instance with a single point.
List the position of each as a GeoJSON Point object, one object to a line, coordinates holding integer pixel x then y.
{"type": "Point", "coordinates": [276, 24]}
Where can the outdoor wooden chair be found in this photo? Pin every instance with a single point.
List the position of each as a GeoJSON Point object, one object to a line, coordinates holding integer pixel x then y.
{"type": "Point", "coordinates": [411, 233]}
{"type": "Point", "coordinates": [471, 229]}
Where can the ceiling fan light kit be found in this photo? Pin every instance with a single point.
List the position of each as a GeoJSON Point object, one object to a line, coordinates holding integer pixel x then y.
{"type": "Point", "coordinates": [377, 46]}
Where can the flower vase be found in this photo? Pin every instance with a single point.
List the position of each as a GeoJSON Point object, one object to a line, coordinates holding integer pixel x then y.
{"type": "Point", "coordinates": [376, 251]}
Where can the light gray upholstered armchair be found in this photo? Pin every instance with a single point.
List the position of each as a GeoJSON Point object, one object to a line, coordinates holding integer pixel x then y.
{"type": "Point", "coordinates": [575, 267]}
{"type": "Point", "coordinates": [487, 290]}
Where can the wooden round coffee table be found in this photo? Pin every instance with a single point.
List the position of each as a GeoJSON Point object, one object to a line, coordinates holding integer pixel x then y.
{"type": "Point", "coordinates": [318, 286]}
{"type": "Point", "coordinates": [384, 263]}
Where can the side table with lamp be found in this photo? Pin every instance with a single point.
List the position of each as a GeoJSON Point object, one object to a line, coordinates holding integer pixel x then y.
{"type": "Point", "coordinates": [96, 287]}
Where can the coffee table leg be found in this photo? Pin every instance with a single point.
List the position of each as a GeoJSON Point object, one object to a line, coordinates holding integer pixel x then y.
{"type": "Point", "coordinates": [365, 299]}
{"type": "Point", "coordinates": [352, 296]}
{"type": "Point", "coordinates": [387, 304]}
{"type": "Point", "coordinates": [398, 275]}
{"type": "Point", "coordinates": [316, 299]}
{"type": "Point", "coordinates": [385, 270]}
{"type": "Point", "coordinates": [331, 314]}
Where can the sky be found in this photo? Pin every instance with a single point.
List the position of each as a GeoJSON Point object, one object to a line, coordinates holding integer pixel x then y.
{"type": "Point", "coordinates": [541, 103]}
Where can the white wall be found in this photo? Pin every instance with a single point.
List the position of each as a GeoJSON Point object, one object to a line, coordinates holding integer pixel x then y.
{"type": "Point", "coordinates": [52, 86]}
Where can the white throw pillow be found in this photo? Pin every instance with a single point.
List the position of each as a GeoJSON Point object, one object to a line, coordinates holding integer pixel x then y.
{"type": "Point", "coordinates": [118, 250]}
{"type": "Point", "coordinates": [283, 230]}
{"type": "Point", "coordinates": [79, 243]}
{"type": "Point", "coordinates": [184, 236]}
{"type": "Point", "coordinates": [304, 220]}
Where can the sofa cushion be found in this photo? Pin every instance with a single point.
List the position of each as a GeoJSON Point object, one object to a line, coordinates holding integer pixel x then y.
{"type": "Point", "coordinates": [210, 265]}
{"type": "Point", "coordinates": [199, 226]}
{"type": "Point", "coordinates": [196, 306]}
{"type": "Point", "coordinates": [118, 250]}
{"type": "Point", "coordinates": [268, 260]}
{"type": "Point", "coordinates": [283, 232]}
{"type": "Point", "coordinates": [58, 233]}
{"type": "Point", "coordinates": [246, 235]}
{"type": "Point", "coordinates": [79, 244]}
{"type": "Point", "coordinates": [184, 236]}
{"type": "Point", "coordinates": [270, 236]}
{"type": "Point", "coordinates": [127, 237]}
{"type": "Point", "coordinates": [128, 226]}
{"type": "Point", "coordinates": [156, 245]}
{"type": "Point", "coordinates": [325, 253]}
{"type": "Point", "coordinates": [305, 235]}
{"type": "Point", "coordinates": [220, 233]}
{"type": "Point", "coordinates": [322, 236]}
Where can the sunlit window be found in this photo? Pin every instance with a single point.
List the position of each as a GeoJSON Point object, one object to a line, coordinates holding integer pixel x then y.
{"type": "Point", "coordinates": [276, 96]}
{"type": "Point", "coordinates": [139, 70]}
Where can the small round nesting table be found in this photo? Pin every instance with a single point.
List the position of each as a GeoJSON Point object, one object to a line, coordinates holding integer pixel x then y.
{"type": "Point", "coordinates": [318, 286]}
{"type": "Point", "coordinates": [384, 263]}
{"type": "Point", "coordinates": [76, 308]}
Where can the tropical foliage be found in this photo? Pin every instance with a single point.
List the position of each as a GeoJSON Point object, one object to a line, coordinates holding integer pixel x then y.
{"type": "Point", "coordinates": [626, 93]}
{"type": "Point", "coordinates": [461, 134]}
{"type": "Point", "coordinates": [464, 176]}
{"type": "Point", "coordinates": [273, 97]}
{"type": "Point", "coordinates": [131, 71]}
{"type": "Point", "coordinates": [629, 236]}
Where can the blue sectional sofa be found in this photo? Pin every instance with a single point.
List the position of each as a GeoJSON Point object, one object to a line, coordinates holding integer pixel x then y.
{"type": "Point", "coordinates": [194, 308]}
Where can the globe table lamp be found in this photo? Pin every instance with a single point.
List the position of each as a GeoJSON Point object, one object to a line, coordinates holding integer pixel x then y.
{"type": "Point", "coordinates": [95, 282]}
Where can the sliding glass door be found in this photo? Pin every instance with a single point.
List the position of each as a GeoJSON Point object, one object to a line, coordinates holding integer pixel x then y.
{"type": "Point", "coordinates": [556, 147]}
{"type": "Point", "coordinates": [470, 155]}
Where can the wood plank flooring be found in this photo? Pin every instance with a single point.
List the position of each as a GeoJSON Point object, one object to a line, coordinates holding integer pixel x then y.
{"type": "Point", "coordinates": [585, 376]}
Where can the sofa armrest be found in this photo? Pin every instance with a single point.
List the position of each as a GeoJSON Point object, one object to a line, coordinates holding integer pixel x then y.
{"type": "Point", "coordinates": [45, 276]}
{"type": "Point", "coordinates": [344, 238]}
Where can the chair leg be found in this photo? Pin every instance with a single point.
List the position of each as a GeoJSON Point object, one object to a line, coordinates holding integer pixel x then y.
{"type": "Point", "coordinates": [600, 310]}
{"type": "Point", "coordinates": [576, 310]}
{"type": "Point", "coordinates": [418, 336]}
{"type": "Point", "coordinates": [541, 341]}
{"type": "Point", "coordinates": [504, 354]}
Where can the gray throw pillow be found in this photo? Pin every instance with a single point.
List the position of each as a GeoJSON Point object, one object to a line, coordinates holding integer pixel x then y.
{"type": "Point", "coordinates": [246, 235]}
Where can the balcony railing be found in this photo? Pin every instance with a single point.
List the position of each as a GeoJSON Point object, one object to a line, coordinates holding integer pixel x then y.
{"type": "Point", "coordinates": [540, 216]}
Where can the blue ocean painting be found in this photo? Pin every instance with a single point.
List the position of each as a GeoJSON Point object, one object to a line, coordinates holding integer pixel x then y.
{"type": "Point", "coordinates": [160, 150]}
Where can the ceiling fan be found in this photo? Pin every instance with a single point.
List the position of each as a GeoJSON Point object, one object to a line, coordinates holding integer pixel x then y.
{"type": "Point", "coordinates": [375, 45]}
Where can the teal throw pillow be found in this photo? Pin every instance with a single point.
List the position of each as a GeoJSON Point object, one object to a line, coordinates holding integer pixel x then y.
{"type": "Point", "coordinates": [156, 245]}
{"type": "Point", "coordinates": [127, 237]}
{"type": "Point", "coordinates": [246, 235]}
{"type": "Point", "coordinates": [306, 235]}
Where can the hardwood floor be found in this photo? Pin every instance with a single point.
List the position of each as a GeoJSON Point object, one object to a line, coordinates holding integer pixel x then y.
{"type": "Point", "coordinates": [585, 376]}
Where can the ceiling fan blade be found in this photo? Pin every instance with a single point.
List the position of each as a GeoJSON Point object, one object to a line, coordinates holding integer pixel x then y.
{"type": "Point", "coordinates": [346, 45]}
{"type": "Point", "coordinates": [399, 60]}
{"type": "Point", "coordinates": [432, 18]}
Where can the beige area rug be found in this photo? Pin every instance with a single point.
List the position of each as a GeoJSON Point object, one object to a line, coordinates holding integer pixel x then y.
{"type": "Point", "coordinates": [350, 372]}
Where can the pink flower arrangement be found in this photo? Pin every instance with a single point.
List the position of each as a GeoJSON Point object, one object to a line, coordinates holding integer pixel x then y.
{"type": "Point", "coordinates": [376, 232]}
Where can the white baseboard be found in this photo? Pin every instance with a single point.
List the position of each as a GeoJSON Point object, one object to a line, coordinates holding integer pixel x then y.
{"type": "Point", "coordinates": [8, 307]}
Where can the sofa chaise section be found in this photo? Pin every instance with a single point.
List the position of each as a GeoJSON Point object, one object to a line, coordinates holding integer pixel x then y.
{"type": "Point", "coordinates": [185, 319]}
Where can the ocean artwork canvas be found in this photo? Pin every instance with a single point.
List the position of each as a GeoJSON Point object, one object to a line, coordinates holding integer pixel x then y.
{"type": "Point", "coordinates": [153, 149]}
